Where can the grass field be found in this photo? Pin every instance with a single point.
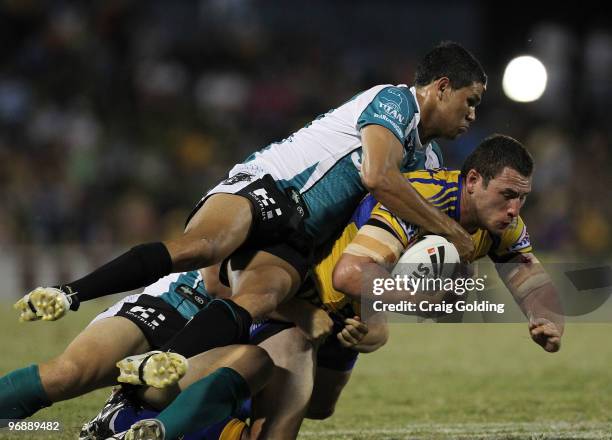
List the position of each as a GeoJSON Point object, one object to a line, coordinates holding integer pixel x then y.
{"type": "Point", "coordinates": [432, 381]}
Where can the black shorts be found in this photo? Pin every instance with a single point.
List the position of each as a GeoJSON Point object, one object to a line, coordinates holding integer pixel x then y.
{"type": "Point", "coordinates": [299, 259]}
{"type": "Point", "coordinates": [332, 354]}
{"type": "Point", "coordinates": [278, 222]}
{"type": "Point", "coordinates": [157, 319]}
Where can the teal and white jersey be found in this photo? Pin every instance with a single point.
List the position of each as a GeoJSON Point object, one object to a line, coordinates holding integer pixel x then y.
{"type": "Point", "coordinates": [323, 159]}
{"type": "Point", "coordinates": [181, 291]}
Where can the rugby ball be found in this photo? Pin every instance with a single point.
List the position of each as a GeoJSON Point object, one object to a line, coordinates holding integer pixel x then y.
{"type": "Point", "coordinates": [432, 256]}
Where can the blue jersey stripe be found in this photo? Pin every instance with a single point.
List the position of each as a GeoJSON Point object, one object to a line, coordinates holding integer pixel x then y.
{"type": "Point", "coordinates": [445, 197]}
{"type": "Point", "coordinates": [431, 181]}
{"type": "Point", "coordinates": [363, 211]}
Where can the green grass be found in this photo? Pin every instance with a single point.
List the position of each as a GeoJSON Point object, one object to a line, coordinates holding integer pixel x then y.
{"type": "Point", "coordinates": [434, 381]}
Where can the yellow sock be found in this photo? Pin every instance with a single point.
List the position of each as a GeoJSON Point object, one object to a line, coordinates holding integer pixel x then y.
{"type": "Point", "coordinates": [233, 430]}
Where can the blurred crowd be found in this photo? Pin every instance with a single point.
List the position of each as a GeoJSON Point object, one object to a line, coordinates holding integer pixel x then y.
{"type": "Point", "coordinates": [116, 116]}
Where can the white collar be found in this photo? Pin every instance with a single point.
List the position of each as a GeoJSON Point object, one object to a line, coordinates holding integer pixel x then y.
{"type": "Point", "coordinates": [417, 116]}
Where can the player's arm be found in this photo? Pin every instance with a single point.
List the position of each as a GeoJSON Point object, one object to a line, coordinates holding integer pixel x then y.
{"type": "Point", "coordinates": [380, 174]}
{"type": "Point", "coordinates": [364, 337]}
{"type": "Point", "coordinates": [536, 295]}
{"type": "Point", "coordinates": [370, 256]}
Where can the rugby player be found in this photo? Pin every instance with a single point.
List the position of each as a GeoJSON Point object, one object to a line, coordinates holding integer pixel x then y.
{"type": "Point", "coordinates": [134, 325]}
{"type": "Point", "coordinates": [486, 198]}
{"type": "Point", "coordinates": [296, 194]}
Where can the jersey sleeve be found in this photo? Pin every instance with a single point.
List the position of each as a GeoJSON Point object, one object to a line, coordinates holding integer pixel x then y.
{"type": "Point", "coordinates": [393, 108]}
{"type": "Point", "coordinates": [514, 241]}
{"type": "Point", "coordinates": [406, 233]}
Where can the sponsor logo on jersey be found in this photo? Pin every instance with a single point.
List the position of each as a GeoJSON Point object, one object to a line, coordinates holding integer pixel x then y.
{"type": "Point", "coordinates": [523, 242]}
{"type": "Point", "coordinates": [147, 316]}
{"type": "Point", "coordinates": [192, 295]}
{"type": "Point", "coordinates": [267, 208]}
{"type": "Point", "coordinates": [394, 105]}
{"type": "Point", "coordinates": [296, 198]}
{"type": "Point", "coordinates": [238, 177]}
{"type": "Point", "coordinates": [396, 127]}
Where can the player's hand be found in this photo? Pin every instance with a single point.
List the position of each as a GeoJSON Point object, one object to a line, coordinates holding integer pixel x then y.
{"type": "Point", "coordinates": [353, 332]}
{"type": "Point", "coordinates": [546, 334]}
{"type": "Point", "coordinates": [318, 325]}
{"type": "Point", "coordinates": [46, 303]}
{"type": "Point", "coordinates": [464, 244]}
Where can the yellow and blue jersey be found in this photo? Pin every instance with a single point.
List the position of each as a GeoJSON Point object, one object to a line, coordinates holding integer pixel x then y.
{"type": "Point", "coordinates": [440, 187]}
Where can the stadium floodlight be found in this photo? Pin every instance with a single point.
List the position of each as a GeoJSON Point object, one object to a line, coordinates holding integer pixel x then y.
{"type": "Point", "coordinates": [524, 79]}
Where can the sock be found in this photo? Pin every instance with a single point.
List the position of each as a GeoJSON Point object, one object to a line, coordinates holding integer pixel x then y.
{"type": "Point", "coordinates": [22, 393]}
{"type": "Point", "coordinates": [207, 401]}
{"type": "Point", "coordinates": [221, 323]}
{"type": "Point", "coordinates": [139, 267]}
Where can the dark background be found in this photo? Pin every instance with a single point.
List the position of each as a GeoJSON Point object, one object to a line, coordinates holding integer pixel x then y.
{"type": "Point", "coordinates": [116, 116]}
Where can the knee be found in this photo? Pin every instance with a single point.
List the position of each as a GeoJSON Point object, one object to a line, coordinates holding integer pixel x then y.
{"type": "Point", "coordinates": [191, 251]}
{"type": "Point", "coordinates": [260, 360]}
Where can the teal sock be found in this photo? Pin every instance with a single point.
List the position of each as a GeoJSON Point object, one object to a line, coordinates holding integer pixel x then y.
{"type": "Point", "coordinates": [207, 401]}
{"type": "Point", "coordinates": [22, 393]}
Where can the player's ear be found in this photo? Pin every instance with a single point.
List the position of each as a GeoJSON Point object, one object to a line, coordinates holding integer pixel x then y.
{"type": "Point", "coordinates": [471, 180]}
{"type": "Point", "coordinates": [442, 85]}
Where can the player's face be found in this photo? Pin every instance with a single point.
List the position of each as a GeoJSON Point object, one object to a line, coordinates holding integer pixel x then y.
{"type": "Point", "coordinates": [501, 201]}
{"type": "Point", "coordinates": [458, 109]}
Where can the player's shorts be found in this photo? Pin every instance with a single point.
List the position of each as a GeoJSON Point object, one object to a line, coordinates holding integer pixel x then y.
{"type": "Point", "coordinates": [277, 213]}
{"type": "Point", "coordinates": [299, 258]}
{"type": "Point", "coordinates": [332, 354]}
{"type": "Point", "coordinates": [278, 217]}
{"type": "Point", "coordinates": [157, 319]}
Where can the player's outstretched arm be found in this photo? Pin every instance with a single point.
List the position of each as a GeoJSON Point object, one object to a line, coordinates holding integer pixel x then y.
{"type": "Point", "coordinates": [380, 173]}
{"type": "Point", "coordinates": [535, 293]}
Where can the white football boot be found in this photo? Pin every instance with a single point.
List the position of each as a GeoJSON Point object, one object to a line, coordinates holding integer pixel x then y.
{"type": "Point", "coordinates": [46, 303]}
{"type": "Point", "coordinates": [158, 369]}
{"type": "Point", "coordinates": [147, 429]}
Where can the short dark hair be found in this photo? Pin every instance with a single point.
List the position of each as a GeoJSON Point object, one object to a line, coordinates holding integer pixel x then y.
{"type": "Point", "coordinates": [496, 153]}
{"type": "Point", "coordinates": [451, 60]}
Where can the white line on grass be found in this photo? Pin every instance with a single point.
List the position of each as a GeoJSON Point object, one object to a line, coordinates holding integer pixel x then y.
{"type": "Point", "coordinates": [535, 430]}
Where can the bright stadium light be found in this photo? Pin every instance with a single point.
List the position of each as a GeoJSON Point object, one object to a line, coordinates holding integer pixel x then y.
{"type": "Point", "coordinates": [524, 79]}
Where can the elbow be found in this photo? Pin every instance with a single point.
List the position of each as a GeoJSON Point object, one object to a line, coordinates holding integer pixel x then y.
{"type": "Point", "coordinates": [343, 278]}
{"type": "Point", "coordinates": [383, 337]}
{"type": "Point", "coordinates": [340, 277]}
{"type": "Point", "coordinates": [375, 182]}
